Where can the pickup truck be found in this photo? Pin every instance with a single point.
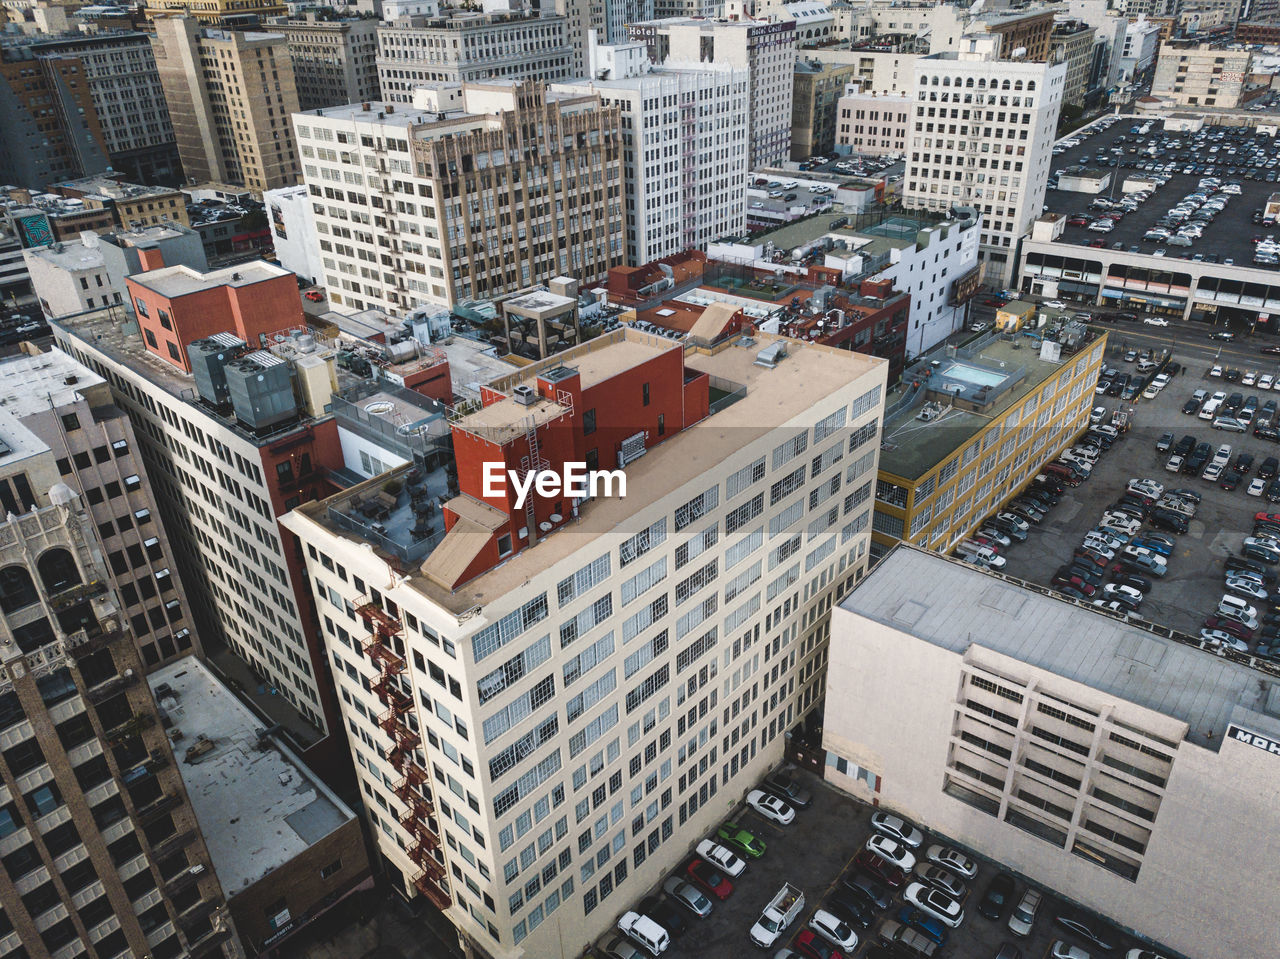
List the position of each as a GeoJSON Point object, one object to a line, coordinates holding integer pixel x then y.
{"type": "Point", "coordinates": [781, 912]}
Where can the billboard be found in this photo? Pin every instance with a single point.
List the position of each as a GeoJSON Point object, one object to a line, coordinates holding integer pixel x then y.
{"type": "Point", "coordinates": [966, 286]}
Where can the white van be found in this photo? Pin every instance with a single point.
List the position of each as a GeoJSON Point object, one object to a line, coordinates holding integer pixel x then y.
{"type": "Point", "coordinates": [645, 931]}
{"type": "Point", "coordinates": [1212, 405]}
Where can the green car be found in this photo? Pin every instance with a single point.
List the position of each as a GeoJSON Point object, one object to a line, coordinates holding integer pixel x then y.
{"type": "Point", "coordinates": [740, 840]}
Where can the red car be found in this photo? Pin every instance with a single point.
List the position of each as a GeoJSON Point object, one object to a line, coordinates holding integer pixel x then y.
{"type": "Point", "coordinates": [813, 946]}
{"type": "Point", "coordinates": [709, 878]}
{"type": "Point", "coordinates": [879, 868]}
{"type": "Point", "coordinates": [1075, 582]}
{"type": "Point", "coordinates": [1098, 243]}
{"type": "Point", "coordinates": [1266, 517]}
{"type": "Point", "coordinates": [1229, 626]}
{"type": "Point", "coordinates": [315, 296]}
{"type": "Point", "coordinates": [994, 301]}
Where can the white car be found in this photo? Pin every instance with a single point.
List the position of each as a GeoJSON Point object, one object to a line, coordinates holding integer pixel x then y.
{"type": "Point", "coordinates": [1054, 304]}
{"type": "Point", "coordinates": [1215, 370]}
{"type": "Point", "coordinates": [1250, 377]}
{"type": "Point", "coordinates": [1098, 414]}
{"type": "Point", "coordinates": [1220, 637]}
{"type": "Point", "coordinates": [1014, 520]}
{"type": "Point", "coordinates": [1146, 487]}
{"type": "Point", "coordinates": [1155, 321]}
{"type": "Point", "coordinates": [1212, 472]}
{"type": "Point", "coordinates": [897, 828]}
{"type": "Point", "coordinates": [722, 858]}
{"type": "Point", "coordinates": [771, 807]}
{"type": "Point", "coordinates": [952, 859]}
{"type": "Point", "coordinates": [892, 851]}
{"type": "Point", "coordinates": [935, 902]}
{"type": "Point", "coordinates": [1256, 487]}
{"type": "Point", "coordinates": [1100, 547]}
{"type": "Point", "coordinates": [1112, 540]}
{"type": "Point", "coordinates": [1023, 916]}
{"type": "Point", "coordinates": [1125, 594]}
{"type": "Point", "coordinates": [1060, 950]}
{"type": "Point", "coordinates": [1266, 381]}
{"type": "Point", "coordinates": [1175, 463]}
{"type": "Point", "coordinates": [1120, 523]}
{"type": "Point", "coordinates": [832, 929]}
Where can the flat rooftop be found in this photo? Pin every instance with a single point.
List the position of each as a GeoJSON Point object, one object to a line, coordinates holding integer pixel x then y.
{"type": "Point", "coordinates": [399, 115]}
{"type": "Point", "coordinates": [32, 384]}
{"type": "Point", "coordinates": [103, 187]}
{"type": "Point", "coordinates": [181, 280]}
{"type": "Point", "coordinates": [771, 397]}
{"type": "Point", "coordinates": [1231, 233]}
{"type": "Point", "coordinates": [72, 255]}
{"type": "Point", "coordinates": [258, 808]}
{"type": "Point", "coordinates": [147, 235]}
{"type": "Point", "coordinates": [953, 605]}
{"type": "Point", "coordinates": [17, 442]}
{"type": "Point", "coordinates": [472, 364]}
{"type": "Point", "coordinates": [911, 447]}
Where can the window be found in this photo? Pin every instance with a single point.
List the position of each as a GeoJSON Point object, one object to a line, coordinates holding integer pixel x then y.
{"type": "Point", "coordinates": [331, 869]}
{"type": "Point", "coordinates": [70, 422]}
{"type": "Point", "coordinates": [588, 422]}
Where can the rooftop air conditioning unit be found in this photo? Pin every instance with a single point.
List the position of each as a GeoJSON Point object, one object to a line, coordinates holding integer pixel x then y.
{"type": "Point", "coordinates": [525, 395]}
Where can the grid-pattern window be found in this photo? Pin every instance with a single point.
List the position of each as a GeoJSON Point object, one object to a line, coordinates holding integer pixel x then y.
{"type": "Point", "coordinates": [691, 653]}
{"type": "Point", "coordinates": [514, 669]}
{"type": "Point", "coordinates": [787, 485]}
{"type": "Point", "coordinates": [781, 521]}
{"type": "Point", "coordinates": [588, 619]}
{"type": "Point", "coordinates": [826, 459]}
{"type": "Point", "coordinates": [744, 514]}
{"type": "Point", "coordinates": [571, 587]}
{"type": "Point", "coordinates": [644, 580]}
{"type": "Point", "coordinates": [828, 425]}
{"type": "Point", "coordinates": [744, 547]}
{"type": "Point", "coordinates": [526, 784]}
{"type": "Point", "coordinates": [743, 478]}
{"type": "Point", "coordinates": [639, 544]}
{"type": "Point", "coordinates": [519, 709]}
{"type": "Point", "coordinates": [696, 581]}
{"type": "Point", "coordinates": [695, 617]}
{"type": "Point", "coordinates": [643, 618]}
{"type": "Point", "coordinates": [588, 659]}
{"type": "Point", "coordinates": [789, 450]}
{"type": "Point", "coordinates": [651, 685]}
{"type": "Point", "coordinates": [696, 508]}
{"type": "Point", "coordinates": [590, 695]}
{"type": "Point", "coordinates": [743, 581]}
{"type": "Point", "coordinates": [645, 654]}
{"type": "Point", "coordinates": [496, 635]}
{"type": "Point", "coordinates": [782, 582]}
{"type": "Point", "coordinates": [866, 402]}
{"type": "Point", "coordinates": [593, 730]}
{"type": "Point", "coordinates": [697, 545]}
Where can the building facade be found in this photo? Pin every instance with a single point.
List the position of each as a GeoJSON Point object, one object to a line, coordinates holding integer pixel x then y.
{"type": "Point", "coordinates": [427, 231]}
{"type": "Point", "coordinates": [1072, 43]}
{"type": "Point", "coordinates": [1141, 46]}
{"type": "Point", "coordinates": [50, 123]}
{"type": "Point", "coordinates": [941, 474]}
{"type": "Point", "coordinates": [465, 47]}
{"type": "Point", "coordinates": [230, 95]}
{"type": "Point", "coordinates": [234, 471]}
{"type": "Point", "coordinates": [765, 49]}
{"type": "Point", "coordinates": [1084, 752]}
{"type": "Point", "coordinates": [684, 139]}
{"type": "Point", "coordinates": [1201, 75]}
{"type": "Point", "coordinates": [871, 123]}
{"type": "Point", "coordinates": [334, 61]}
{"type": "Point", "coordinates": [124, 84]}
{"type": "Point", "coordinates": [623, 622]}
{"type": "Point", "coordinates": [132, 206]}
{"type": "Point", "coordinates": [217, 13]}
{"type": "Point", "coordinates": [996, 158]}
{"type": "Point", "coordinates": [101, 847]}
{"type": "Point", "coordinates": [293, 231]}
{"type": "Point", "coordinates": [815, 99]}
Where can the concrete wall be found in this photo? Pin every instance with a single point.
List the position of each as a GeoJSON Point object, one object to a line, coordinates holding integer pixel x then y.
{"type": "Point", "coordinates": [890, 709]}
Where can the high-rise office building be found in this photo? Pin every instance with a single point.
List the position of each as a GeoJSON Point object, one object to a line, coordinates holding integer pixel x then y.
{"type": "Point", "coordinates": [544, 695]}
{"type": "Point", "coordinates": [334, 61]}
{"type": "Point", "coordinates": [475, 191]}
{"type": "Point", "coordinates": [50, 123]}
{"type": "Point", "coordinates": [230, 95]}
{"type": "Point", "coordinates": [216, 13]}
{"type": "Point", "coordinates": [101, 846]}
{"type": "Point", "coordinates": [684, 138]}
{"type": "Point", "coordinates": [225, 467]}
{"type": "Point", "coordinates": [119, 67]}
{"type": "Point", "coordinates": [469, 46]}
{"type": "Point", "coordinates": [764, 49]}
{"type": "Point", "coordinates": [982, 134]}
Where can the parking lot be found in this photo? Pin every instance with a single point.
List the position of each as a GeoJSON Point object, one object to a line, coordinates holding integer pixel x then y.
{"type": "Point", "coordinates": [1193, 585]}
{"type": "Point", "coordinates": [814, 853]}
{"type": "Point", "coordinates": [1230, 236]}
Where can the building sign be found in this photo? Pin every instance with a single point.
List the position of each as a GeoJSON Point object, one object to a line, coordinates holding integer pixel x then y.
{"type": "Point", "coordinates": [966, 286]}
{"type": "Point", "coordinates": [1240, 734]}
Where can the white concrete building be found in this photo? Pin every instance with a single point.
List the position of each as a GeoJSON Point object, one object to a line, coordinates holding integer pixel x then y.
{"type": "Point", "coordinates": [875, 124]}
{"type": "Point", "coordinates": [293, 231]}
{"type": "Point", "coordinates": [983, 132]}
{"type": "Point", "coordinates": [879, 72]}
{"type": "Point", "coordinates": [766, 49]}
{"type": "Point", "coordinates": [70, 278]}
{"type": "Point", "coordinates": [1123, 768]}
{"type": "Point", "coordinates": [469, 46]}
{"type": "Point", "coordinates": [14, 279]}
{"type": "Point", "coordinates": [684, 138]}
{"type": "Point", "coordinates": [1141, 47]}
{"type": "Point", "coordinates": [684, 624]}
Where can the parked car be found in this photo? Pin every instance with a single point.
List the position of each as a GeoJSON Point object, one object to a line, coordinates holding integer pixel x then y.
{"type": "Point", "coordinates": [1023, 917]}
{"type": "Point", "coordinates": [721, 858]}
{"type": "Point", "coordinates": [923, 923]}
{"type": "Point", "coordinates": [838, 933]}
{"type": "Point", "coordinates": [879, 868]}
{"type": "Point", "coordinates": [708, 877]}
{"type": "Point", "coordinates": [1085, 931]}
{"type": "Point", "coordinates": [784, 784]}
{"type": "Point", "coordinates": [687, 896]}
{"type": "Point", "coordinates": [892, 851]}
{"type": "Point", "coordinates": [943, 879]}
{"type": "Point", "coordinates": [741, 841]}
{"type": "Point", "coordinates": [936, 903]}
{"type": "Point", "coordinates": [875, 893]}
{"type": "Point", "coordinates": [895, 827]}
{"type": "Point", "coordinates": [998, 893]}
{"type": "Point", "coordinates": [771, 807]}
{"type": "Point", "coordinates": [952, 859]}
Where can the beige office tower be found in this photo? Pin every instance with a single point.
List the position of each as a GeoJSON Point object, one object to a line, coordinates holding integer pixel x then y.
{"type": "Point", "coordinates": [230, 96]}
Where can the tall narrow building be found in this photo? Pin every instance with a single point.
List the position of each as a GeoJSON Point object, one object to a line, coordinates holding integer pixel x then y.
{"type": "Point", "coordinates": [230, 95]}
{"type": "Point", "coordinates": [102, 852]}
{"type": "Point", "coordinates": [981, 136]}
{"type": "Point", "coordinates": [547, 698]}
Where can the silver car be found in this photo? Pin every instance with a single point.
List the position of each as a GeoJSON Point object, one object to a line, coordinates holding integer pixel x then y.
{"type": "Point", "coordinates": [940, 878]}
{"type": "Point", "coordinates": [687, 896]}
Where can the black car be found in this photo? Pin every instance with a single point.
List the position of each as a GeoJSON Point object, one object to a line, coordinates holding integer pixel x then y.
{"type": "Point", "coordinates": [1270, 350]}
{"type": "Point", "coordinates": [1168, 519]}
{"type": "Point", "coordinates": [851, 909]}
{"type": "Point", "coordinates": [1185, 445]}
{"type": "Point", "coordinates": [1187, 494]}
{"type": "Point", "coordinates": [665, 913]}
{"type": "Point", "coordinates": [1089, 571]}
{"type": "Point", "coordinates": [1269, 467]}
{"type": "Point", "coordinates": [787, 787]}
{"type": "Point", "coordinates": [1229, 481]}
{"type": "Point", "coordinates": [1267, 433]}
{"type": "Point", "coordinates": [1131, 505]}
{"type": "Point", "coordinates": [1243, 463]}
{"type": "Point", "coordinates": [1101, 938]}
{"type": "Point", "coordinates": [868, 889]}
{"type": "Point", "coordinates": [1232, 404]}
{"type": "Point", "coordinates": [1231, 376]}
{"type": "Point", "coordinates": [1234, 563]}
{"type": "Point", "coordinates": [996, 899]}
{"type": "Point", "coordinates": [1133, 580]}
